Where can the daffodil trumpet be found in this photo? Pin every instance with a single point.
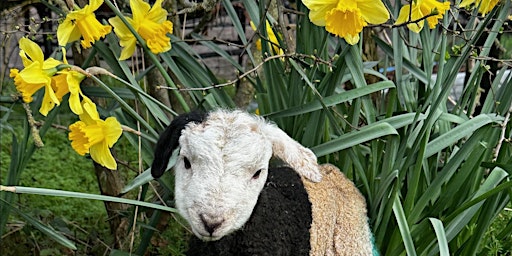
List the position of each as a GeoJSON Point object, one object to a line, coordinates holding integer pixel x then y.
{"type": "Point", "coordinates": [346, 18]}
{"type": "Point", "coordinates": [81, 23]}
{"type": "Point", "coordinates": [149, 22]}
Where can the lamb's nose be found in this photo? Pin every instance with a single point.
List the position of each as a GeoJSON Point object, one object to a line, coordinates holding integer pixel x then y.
{"type": "Point", "coordinates": [211, 223]}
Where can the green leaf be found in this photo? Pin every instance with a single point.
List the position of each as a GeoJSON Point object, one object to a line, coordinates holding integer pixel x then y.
{"type": "Point", "coordinates": [463, 130]}
{"type": "Point", "coordinates": [62, 193]}
{"type": "Point", "coordinates": [333, 100]}
{"type": "Point", "coordinates": [351, 139]}
{"type": "Point", "coordinates": [460, 218]}
{"type": "Point", "coordinates": [441, 236]}
{"type": "Point", "coordinates": [146, 177]}
{"type": "Point", "coordinates": [50, 232]}
{"type": "Point", "coordinates": [403, 227]}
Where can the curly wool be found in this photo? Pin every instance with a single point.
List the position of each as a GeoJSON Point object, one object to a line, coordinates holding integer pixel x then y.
{"type": "Point", "coordinates": [279, 224]}
{"type": "Point", "coordinates": [340, 223]}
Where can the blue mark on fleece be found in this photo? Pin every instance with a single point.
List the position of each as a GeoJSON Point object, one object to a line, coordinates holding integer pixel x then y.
{"type": "Point", "coordinates": [375, 250]}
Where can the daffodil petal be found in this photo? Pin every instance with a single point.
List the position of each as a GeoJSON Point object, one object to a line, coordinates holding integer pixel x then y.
{"type": "Point", "coordinates": [112, 131]}
{"type": "Point", "coordinates": [94, 5]}
{"type": "Point", "coordinates": [317, 16]}
{"type": "Point", "coordinates": [157, 13]}
{"type": "Point", "coordinates": [101, 154]}
{"type": "Point", "coordinates": [139, 10]}
{"type": "Point", "coordinates": [31, 49]}
{"type": "Point", "coordinates": [344, 23]}
{"type": "Point", "coordinates": [59, 85]}
{"type": "Point", "coordinates": [373, 12]}
{"type": "Point", "coordinates": [129, 49]}
{"type": "Point", "coordinates": [67, 32]}
{"type": "Point", "coordinates": [465, 3]}
{"type": "Point", "coordinates": [352, 39]}
{"type": "Point", "coordinates": [82, 23]}
{"type": "Point", "coordinates": [90, 114]}
{"type": "Point", "coordinates": [315, 5]}
{"type": "Point", "coordinates": [49, 101]}
{"type": "Point", "coordinates": [403, 17]}
{"type": "Point", "coordinates": [73, 79]}
{"type": "Point", "coordinates": [34, 74]}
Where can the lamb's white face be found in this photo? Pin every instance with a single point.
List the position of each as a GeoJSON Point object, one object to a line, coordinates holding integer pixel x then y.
{"type": "Point", "coordinates": [221, 171]}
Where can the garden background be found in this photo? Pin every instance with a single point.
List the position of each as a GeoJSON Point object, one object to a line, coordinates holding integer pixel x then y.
{"type": "Point", "coordinates": [412, 100]}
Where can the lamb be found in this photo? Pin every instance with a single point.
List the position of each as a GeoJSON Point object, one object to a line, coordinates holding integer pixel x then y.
{"type": "Point", "coordinates": [236, 204]}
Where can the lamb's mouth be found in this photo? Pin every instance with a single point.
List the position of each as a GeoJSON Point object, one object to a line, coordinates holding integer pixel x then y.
{"type": "Point", "coordinates": [210, 238]}
{"type": "Point", "coordinates": [205, 236]}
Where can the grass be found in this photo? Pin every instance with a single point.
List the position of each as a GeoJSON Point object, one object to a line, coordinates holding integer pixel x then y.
{"type": "Point", "coordinates": [58, 166]}
{"type": "Point", "coordinates": [55, 166]}
{"type": "Point", "coordinates": [491, 244]}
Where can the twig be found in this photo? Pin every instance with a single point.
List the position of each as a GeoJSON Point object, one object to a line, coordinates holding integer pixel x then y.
{"type": "Point", "coordinates": [33, 126]}
{"type": "Point", "coordinates": [139, 194]}
{"type": "Point", "coordinates": [278, 56]}
{"type": "Point", "coordinates": [14, 230]}
{"type": "Point", "coordinates": [502, 135]}
{"type": "Point", "coordinates": [202, 6]}
{"type": "Point", "coordinates": [404, 23]}
{"type": "Point", "coordinates": [130, 130]}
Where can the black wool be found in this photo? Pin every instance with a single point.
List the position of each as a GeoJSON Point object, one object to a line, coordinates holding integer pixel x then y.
{"type": "Point", "coordinates": [279, 224]}
{"type": "Point", "coordinates": [169, 140]}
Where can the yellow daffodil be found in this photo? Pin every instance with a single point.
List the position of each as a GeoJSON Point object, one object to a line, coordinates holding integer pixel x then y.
{"type": "Point", "coordinates": [95, 136]}
{"type": "Point", "coordinates": [150, 23]}
{"type": "Point", "coordinates": [274, 42]}
{"type": "Point", "coordinates": [346, 18]}
{"type": "Point", "coordinates": [68, 81]}
{"type": "Point", "coordinates": [421, 9]}
{"type": "Point", "coordinates": [484, 6]}
{"type": "Point", "coordinates": [82, 23]}
{"type": "Point", "coordinates": [37, 73]}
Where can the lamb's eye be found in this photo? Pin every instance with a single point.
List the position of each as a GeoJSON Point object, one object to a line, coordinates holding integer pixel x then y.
{"type": "Point", "coordinates": [187, 163]}
{"type": "Point", "coordinates": [256, 174]}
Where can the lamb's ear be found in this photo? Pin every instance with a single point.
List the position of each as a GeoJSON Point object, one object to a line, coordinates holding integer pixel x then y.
{"type": "Point", "coordinates": [169, 140]}
{"type": "Point", "coordinates": [300, 158]}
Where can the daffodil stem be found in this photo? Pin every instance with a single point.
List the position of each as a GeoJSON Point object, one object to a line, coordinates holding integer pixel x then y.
{"type": "Point", "coordinates": [125, 106]}
{"type": "Point", "coordinates": [63, 66]}
{"type": "Point", "coordinates": [72, 194]}
{"type": "Point", "coordinates": [153, 57]}
{"type": "Point", "coordinates": [38, 142]}
{"type": "Point", "coordinates": [101, 71]}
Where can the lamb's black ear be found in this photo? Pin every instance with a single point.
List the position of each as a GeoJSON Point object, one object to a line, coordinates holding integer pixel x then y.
{"type": "Point", "coordinates": [169, 140]}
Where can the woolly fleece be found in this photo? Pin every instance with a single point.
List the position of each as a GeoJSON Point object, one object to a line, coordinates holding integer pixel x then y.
{"type": "Point", "coordinates": [279, 224]}
{"type": "Point", "coordinates": [340, 224]}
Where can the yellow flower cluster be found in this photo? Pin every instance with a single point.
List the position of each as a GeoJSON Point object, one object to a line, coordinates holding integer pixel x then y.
{"type": "Point", "coordinates": [39, 73]}
{"type": "Point", "coordinates": [149, 22]}
{"type": "Point", "coordinates": [90, 134]}
{"type": "Point", "coordinates": [347, 18]}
